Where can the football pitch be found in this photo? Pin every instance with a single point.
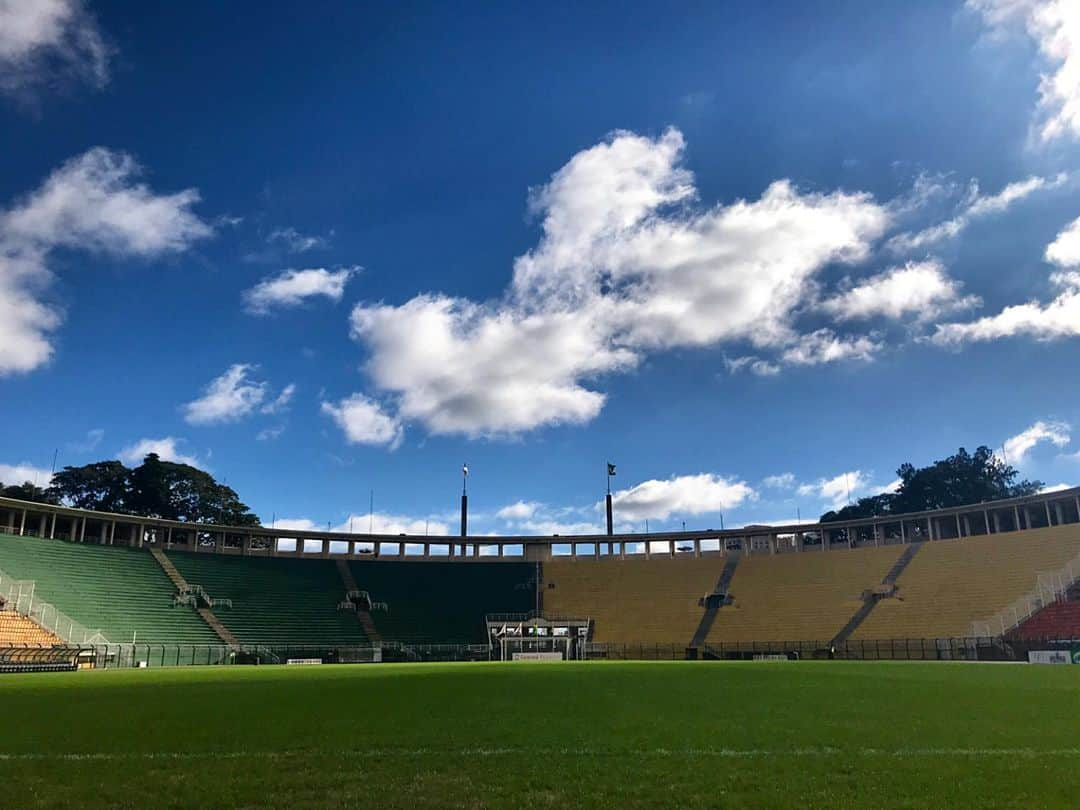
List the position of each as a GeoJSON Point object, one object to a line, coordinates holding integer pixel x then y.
{"type": "Point", "coordinates": [596, 734]}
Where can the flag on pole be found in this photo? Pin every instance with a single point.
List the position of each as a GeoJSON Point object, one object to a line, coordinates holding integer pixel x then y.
{"type": "Point", "coordinates": [610, 468]}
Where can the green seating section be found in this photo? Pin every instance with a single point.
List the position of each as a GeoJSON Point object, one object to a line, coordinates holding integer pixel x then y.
{"type": "Point", "coordinates": [275, 601]}
{"type": "Point", "coordinates": [443, 602]}
{"type": "Point", "coordinates": [121, 592]}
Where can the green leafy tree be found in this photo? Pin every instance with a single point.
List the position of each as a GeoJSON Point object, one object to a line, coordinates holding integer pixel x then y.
{"type": "Point", "coordinates": [29, 492]}
{"type": "Point", "coordinates": [960, 479]}
{"type": "Point", "coordinates": [103, 486]}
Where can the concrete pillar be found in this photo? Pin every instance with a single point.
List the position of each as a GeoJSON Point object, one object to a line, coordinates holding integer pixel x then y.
{"type": "Point", "coordinates": [824, 539]}
{"type": "Point", "coordinates": [697, 548]}
{"type": "Point", "coordinates": [168, 537]}
{"type": "Point", "coordinates": [903, 535]}
{"type": "Point", "coordinates": [671, 548]}
{"type": "Point", "coordinates": [1016, 518]}
{"type": "Point", "coordinates": [1060, 513]}
{"type": "Point", "coordinates": [22, 524]}
{"type": "Point", "coordinates": [427, 550]}
{"type": "Point", "coordinates": [773, 540]}
{"type": "Point", "coordinates": [1027, 517]}
{"type": "Point", "coordinates": [324, 548]}
{"type": "Point", "coordinates": [1049, 520]}
{"type": "Point", "coordinates": [112, 532]}
{"type": "Point", "coordinates": [82, 531]}
{"type": "Point", "coordinates": [52, 527]}
{"type": "Point", "coordinates": [959, 531]}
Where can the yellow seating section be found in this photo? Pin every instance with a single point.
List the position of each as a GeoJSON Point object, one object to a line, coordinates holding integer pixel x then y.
{"type": "Point", "coordinates": [806, 596]}
{"type": "Point", "coordinates": [949, 584]}
{"type": "Point", "coordinates": [18, 631]}
{"type": "Point", "coordinates": [635, 600]}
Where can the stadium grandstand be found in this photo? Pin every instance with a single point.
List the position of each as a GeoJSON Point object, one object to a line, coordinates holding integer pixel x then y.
{"type": "Point", "coordinates": [978, 581]}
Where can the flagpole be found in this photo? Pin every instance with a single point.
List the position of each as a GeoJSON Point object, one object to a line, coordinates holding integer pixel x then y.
{"type": "Point", "coordinates": [610, 521]}
{"type": "Point", "coordinates": [464, 500]}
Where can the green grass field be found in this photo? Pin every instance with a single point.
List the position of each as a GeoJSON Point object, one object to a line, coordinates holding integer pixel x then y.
{"type": "Point", "coordinates": [544, 735]}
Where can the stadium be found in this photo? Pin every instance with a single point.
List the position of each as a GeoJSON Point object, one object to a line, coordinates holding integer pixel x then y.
{"type": "Point", "coordinates": [189, 653]}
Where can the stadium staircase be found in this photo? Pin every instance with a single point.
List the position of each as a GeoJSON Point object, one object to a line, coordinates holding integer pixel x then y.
{"type": "Point", "coordinates": [951, 585]}
{"type": "Point", "coordinates": [274, 601]}
{"type": "Point", "coordinates": [442, 602]}
{"type": "Point", "coordinates": [800, 597]}
{"type": "Point", "coordinates": [123, 593]}
{"type": "Point", "coordinates": [634, 601]}
{"type": "Point", "coordinates": [363, 615]}
{"type": "Point", "coordinates": [714, 601]}
{"type": "Point", "coordinates": [183, 587]}
{"type": "Point", "coordinates": [871, 598]}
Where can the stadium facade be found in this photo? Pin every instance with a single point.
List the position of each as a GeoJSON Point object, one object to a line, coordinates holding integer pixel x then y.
{"type": "Point", "coordinates": [984, 580]}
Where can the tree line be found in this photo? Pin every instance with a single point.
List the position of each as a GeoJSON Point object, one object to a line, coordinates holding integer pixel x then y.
{"type": "Point", "coordinates": [156, 488]}
{"type": "Point", "coordinates": [174, 491]}
{"type": "Point", "coordinates": [960, 479]}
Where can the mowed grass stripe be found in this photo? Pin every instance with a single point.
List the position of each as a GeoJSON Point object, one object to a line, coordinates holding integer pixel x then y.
{"type": "Point", "coordinates": [598, 734]}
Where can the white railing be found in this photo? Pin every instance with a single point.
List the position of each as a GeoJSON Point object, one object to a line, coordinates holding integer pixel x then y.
{"type": "Point", "coordinates": [1050, 586]}
{"type": "Point", "coordinates": [20, 597]}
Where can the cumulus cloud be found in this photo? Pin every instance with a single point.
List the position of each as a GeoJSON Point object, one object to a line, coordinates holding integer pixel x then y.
{"type": "Point", "coordinates": [781, 481]}
{"type": "Point", "coordinates": [825, 346]}
{"type": "Point", "coordinates": [364, 421]}
{"type": "Point", "coordinates": [42, 40]}
{"type": "Point", "coordinates": [922, 289]}
{"type": "Point", "coordinates": [628, 264]}
{"type": "Point", "coordinates": [292, 288]}
{"type": "Point", "coordinates": [1018, 447]}
{"type": "Point", "coordinates": [1064, 251]}
{"type": "Point", "coordinates": [233, 396]}
{"type": "Point", "coordinates": [1057, 319]}
{"type": "Point", "coordinates": [94, 203]}
{"type": "Point", "coordinates": [13, 475]}
{"type": "Point", "coordinates": [519, 510]}
{"type": "Point", "coordinates": [976, 206]}
{"type": "Point", "coordinates": [1054, 25]}
{"type": "Point", "coordinates": [376, 523]}
{"type": "Point", "coordinates": [839, 490]}
{"type": "Point", "coordinates": [165, 448]}
{"type": "Point", "coordinates": [681, 495]}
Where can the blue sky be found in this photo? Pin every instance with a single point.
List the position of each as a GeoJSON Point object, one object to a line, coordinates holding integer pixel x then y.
{"type": "Point", "coordinates": [756, 254]}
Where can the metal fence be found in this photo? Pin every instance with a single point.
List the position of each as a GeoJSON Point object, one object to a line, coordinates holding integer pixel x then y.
{"type": "Point", "coordinates": [127, 656]}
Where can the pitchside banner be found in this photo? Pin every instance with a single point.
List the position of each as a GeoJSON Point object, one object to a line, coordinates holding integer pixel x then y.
{"type": "Point", "coordinates": [538, 656]}
{"type": "Point", "coordinates": [1051, 657]}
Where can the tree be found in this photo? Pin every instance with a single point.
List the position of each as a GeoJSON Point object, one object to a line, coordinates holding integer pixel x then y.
{"type": "Point", "coordinates": [29, 492]}
{"type": "Point", "coordinates": [960, 479]}
{"type": "Point", "coordinates": [155, 488]}
{"type": "Point", "coordinates": [103, 487]}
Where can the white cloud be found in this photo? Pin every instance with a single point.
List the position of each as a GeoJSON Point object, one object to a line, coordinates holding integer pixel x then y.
{"type": "Point", "coordinates": [1064, 251]}
{"type": "Point", "coordinates": [14, 475]}
{"type": "Point", "coordinates": [270, 433]}
{"type": "Point", "coordinates": [519, 510]}
{"type": "Point", "coordinates": [549, 527]}
{"type": "Point", "coordinates": [627, 265]}
{"type": "Point", "coordinates": [165, 448]}
{"type": "Point", "coordinates": [1055, 27]}
{"type": "Point", "coordinates": [923, 289]}
{"type": "Point", "coordinates": [376, 523]}
{"type": "Point", "coordinates": [681, 495]}
{"type": "Point", "coordinates": [282, 401]}
{"type": "Point", "coordinates": [93, 203]}
{"type": "Point", "coordinates": [1058, 319]}
{"type": "Point", "coordinates": [292, 288]}
{"type": "Point", "coordinates": [89, 444]}
{"type": "Point", "coordinates": [233, 396]}
{"type": "Point", "coordinates": [295, 241]}
{"type": "Point", "coordinates": [781, 481]}
{"type": "Point", "coordinates": [365, 422]}
{"type": "Point", "coordinates": [839, 490]}
{"type": "Point", "coordinates": [1019, 446]}
{"type": "Point", "coordinates": [976, 206]}
{"type": "Point", "coordinates": [41, 40]}
{"type": "Point", "coordinates": [825, 346]}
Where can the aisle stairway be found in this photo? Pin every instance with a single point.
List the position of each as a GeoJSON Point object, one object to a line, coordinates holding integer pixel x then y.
{"type": "Point", "coordinates": [274, 601]}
